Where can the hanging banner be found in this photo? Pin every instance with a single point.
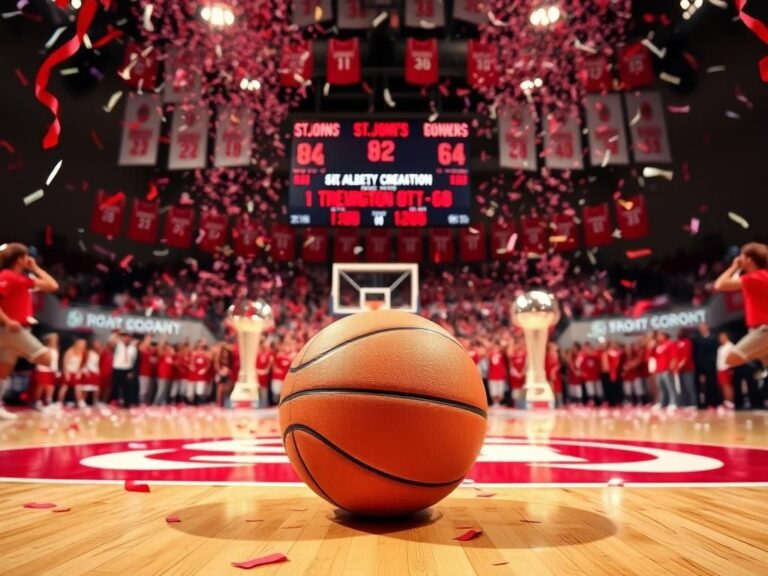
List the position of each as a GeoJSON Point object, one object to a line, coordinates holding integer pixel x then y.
{"type": "Point", "coordinates": [503, 239]}
{"type": "Point", "coordinates": [244, 236]}
{"type": "Point", "coordinates": [182, 83]}
{"type": "Point", "coordinates": [562, 141]}
{"type": "Point", "coordinates": [315, 247]}
{"type": "Point", "coordinates": [441, 245]}
{"type": "Point", "coordinates": [346, 245]}
{"type": "Point", "coordinates": [632, 217]}
{"type": "Point", "coordinates": [189, 138]}
{"type": "Point", "coordinates": [598, 229]}
{"type": "Point", "coordinates": [308, 12]}
{"type": "Point", "coordinates": [353, 15]}
{"type": "Point", "coordinates": [595, 73]}
{"type": "Point", "coordinates": [535, 234]}
{"type": "Point", "coordinates": [635, 66]}
{"type": "Point", "coordinates": [564, 235]}
{"type": "Point", "coordinates": [517, 138]}
{"type": "Point", "coordinates": [410, 246]}
{"type": "Point", "coordinates": [234, 131]}
{"type": "Point", "coordinates": [378, 246]}
{"type": "Point", "coordinates": [107, 216]}
{"type": "Point", "coordinates": [424, 14]}
{"type": "Point", "coordinates": [421, 62]}
{"type": "Point", "coordinates": [178, 227]}
{"type": "Point", "coordinates": [297, 65]}
{"type": "Point", "coordinates": [143, 223]}
{"type": "Point", "coordinates": [283, 245]}
{"type": "Point", "coordinates": [141, 130]}
{"type": "Point", "coordinates": [472, 11]}
{"type": "Point", "coordinates": [472, 243]}
{"type": "Point", "coordinates": [140, 66]}
{"type": "Point", "coordinates": [482, 64]}
{"type": "Point", "coordinates": [343, 61]}
{"type": "Point", "coordinates": [648, 127]}
{"type": "Point", "coordinates": [213, 231]}
{"type": "Point", "coordinates": [607, 134]}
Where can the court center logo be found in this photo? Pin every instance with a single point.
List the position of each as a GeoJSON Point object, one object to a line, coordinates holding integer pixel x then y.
{"type": "Point", "coordinates": [503, 461]}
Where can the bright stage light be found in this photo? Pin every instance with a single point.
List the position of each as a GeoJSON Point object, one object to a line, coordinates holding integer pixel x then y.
{"type": "Point", "coordinates": [218, 15]}
{"type": "Point", "coordinates": [545, 15]}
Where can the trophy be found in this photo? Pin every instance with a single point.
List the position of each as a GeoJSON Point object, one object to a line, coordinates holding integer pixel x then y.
{"type": "Point", "coordinates": [249, 318]}
{"type": "Point", "coordinates": [535, 312]}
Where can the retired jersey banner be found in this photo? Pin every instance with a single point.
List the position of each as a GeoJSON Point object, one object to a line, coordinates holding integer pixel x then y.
{"type": "Point", "coordinates": [564, 234]}
{"type": "Point", "coordinates": [140, 66]}
{"type": "Point", "coordinates": [234, 131]}
{"type": "Point", "coordinates": [297, 65]}
{"type": "Point", "coordinates": [213, 231]}
{"type": "Point", "coordinates": [595, 73]}
{"type": "Point", "coordinates": [648, 127]}
{"type": "Point", "coordinates": [315, 247]}
{"type": "Point", "coordinates": [517, 138]}
{"type": "Point", "coordinates": [107, 216]}
{"type": "Point", "coordinates": [182, 83]}
{"type": "Point", "coordinates": [178, 227]}
{"type": "Point", "coordinates": [421, 62]}
{"type": "Point", "coordinates": [307, 12]}
{"type": "Point", "coordinates": [632, 217]}
{"type": "Point", "coordinates": [598, 230]}
{"type": "Point", "coordinates": [141, 130]}
{"type": "Point", "coordinates": [607, 133]}
{"type": "Point", "coordinates": [473, 11]}
{"type": "Point", "coordinates": [472, 244]}
{"type": "Point", "coordinates": [378, 245]}
{"type": "Point", "coordinates": [535, 234]}
{"type": "Point", "coordinates": [410, 246]}
{"type": "Point", "coordinates": [482, 64]}
{"type": "Point", "coordinates": [143, 223]}
{"type": "Point", "coordinates": [343, 61]}
{"type": "Point", "coordinates": [189, 138]}
{"type": "Point", "coordinates": [283, 245]}
{"type": "Point", "coordinates": [353, 15]}
{"type": "Point", "coordinates": [244, 236]}
{"type": "Point", "coordinates": [424, 13]}
{"type": "Point", "coordinates": [562, 141]}
{"type": "Point", "coordinates": [635, 66]}
{"type": "Point", "coordinates": [346, 246]}
{"type": "Point", "coordinates": [441, 245]}
{"type": "Point", "coordinates": [503, 239]}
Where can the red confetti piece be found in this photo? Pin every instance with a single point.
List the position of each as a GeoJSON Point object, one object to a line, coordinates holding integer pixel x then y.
{"type": "Point", "coordinates": [764, 69]}
{"type": "Point", "coordinates": [67, 509]}
{"type": "Point", "coordinates": [640, 308]}
{"type": "Point", "coordinates": [97, 139]}
{"type": "Point", "coordinates": [642, 253]}
{"type": "Point", "coordinates": [39, 505]}
{"type": "Point", "coordinates": [470, 534]}
{"type": "Point", "coordinates": [48, 235]}
{"type": "Point", "coordinates": [8, 146]}
{"type": "Point", "coordinates": [126, 261]}
{"type": "Point", "coordinates": [152, 193]}
{"type": "Point", "coordinates": [629, 284]}
{"type": "Point", "coordinates": [108, 37]}
{"type": "Point", "coordinates": [22, 78]}
{"type": "Point", "coordinates": [134, 486]}
{"type": "Point", "coordinates": [262, 561]}
{"type": "Point", "coordinates": [172, 519]}
{"type": "Point", "coordinates": [114, 199]}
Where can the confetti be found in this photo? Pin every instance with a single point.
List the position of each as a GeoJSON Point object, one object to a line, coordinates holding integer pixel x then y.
{"type": "Point", "coordinates": [379, 20]}
{"type": "Point", "coordinates": [740, 220]}
{"type": "Point", "coordinates": [172, 519]}
{"type": "Point", "coordinates": [679, 109]}
{"type": "Point", "coordinates": [719, 3]}
{"type": "Point", "coordinates": [262, 561]}
{"type": "Point", "coordinates": [659, 52]}
{"type": "Point", "coordinates": [48, 235]}
{"type": "Point", "coordinates": [67, 509]}
{"type": "Point", "coordinates": [388, 98]}
{"type": "Point", "coordinates": [39, 505]}
{"type": "Point", "coordinates": [512, 242]}
{"type": "Point", "coordinates": [134, 486]}
{"type": "Point", "coordinates": [670, 78]}
{"type": "Point", "coordinates": [694, 226]}
{"type": "Point", "coordinates": [527, 521]}
{"type": "Point", "coordinates": [733, 115]}
{"type": "Point", "coordinates": [53, 173]}
{"type": "Point", "coordinates": [7, 146]}
{"type": "Point", "coordinates": [486, 494]}
{"type": "Point", "coordinates": [126, 261]}
{"type": "Point", "coordinates": [97, 140]}
{"type": "Point", "coordinates": [470, 534]}
{"type": "Point", "coordinates": [9, 15]}
{"type": "Point", "coordinates": [55, 36]}
{"type": "Point", "coordinates": [113, 100]}
{"type": "Point", "coordinates": [34, 197]}
{"type": "Point", "coordinates": [147, 18]}
{"type": "Point", "coordinates": [715, 69]}
{"type": "Point", "coordinates": [69, 71]}
{"type": "Point", "coordinates": [650, 172]}
{"type": "Point", "coordinates": [22, 78]}
{"type": "Point", "coordinates": [635, 254]}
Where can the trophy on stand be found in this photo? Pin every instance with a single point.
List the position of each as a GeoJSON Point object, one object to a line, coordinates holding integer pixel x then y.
{"type": "Point", "coordinates": [535, 312]}
{"type": "Point", "coordinates": [249, 318]}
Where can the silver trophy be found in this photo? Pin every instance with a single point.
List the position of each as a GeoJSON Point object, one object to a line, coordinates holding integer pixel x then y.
{"type": "Point", "coordinates": [249, 318]}
{"type": "Point", "coordinates": [535, 312]}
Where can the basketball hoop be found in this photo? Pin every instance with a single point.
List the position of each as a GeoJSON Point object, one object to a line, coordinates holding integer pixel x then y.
{"type": "Point", "coordinates": [374, 304]}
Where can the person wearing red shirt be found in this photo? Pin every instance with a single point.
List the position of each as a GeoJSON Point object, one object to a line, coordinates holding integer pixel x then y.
{"type": "Point", "coordinates": [573, 374]}
{"type": "Point", "coordinates": [181, 384]}
{"type": "Point", "coordinates": [265, 359]}
{"type": "Point", "coordinates": [147, 363]}
{"type": "Point", "coordinates": [683, 369]}
{"type": "Point", "coordinates": [280, 368]}
{"type": "Point", "coordinates": [749, 273]}
{"type": "Point", "coordinates": [16, 339]}
{"type": "Point", "coordinates": [632, 375]}
{"type": "Point", "coordinates": [200, 374]}
{"type": "Point", "coordinates": [165, 371]}
{"type": "Point", "coordinates": [554, 372]}
{"type": "Point", "coordinates": [610, 366]}
{"type": "Point", "coordinates": [661, 359]}
{"type": "Point", "coordinates": [497, 374]}
{"type": "Point", "coordinates": [516, 360]}
{"type": "Point", "coordinates": [588, 363]}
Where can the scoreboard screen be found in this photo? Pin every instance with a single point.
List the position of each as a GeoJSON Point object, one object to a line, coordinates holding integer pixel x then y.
{"type": "Point", "coordinates": [379, 173]}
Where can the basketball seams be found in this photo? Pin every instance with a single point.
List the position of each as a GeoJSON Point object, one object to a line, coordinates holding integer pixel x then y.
{"type": "Point", "coordinates": [308, 471]}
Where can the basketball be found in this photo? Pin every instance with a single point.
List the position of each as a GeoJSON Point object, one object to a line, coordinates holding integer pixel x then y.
{"type": "Point", "coordinates": [383, 413]}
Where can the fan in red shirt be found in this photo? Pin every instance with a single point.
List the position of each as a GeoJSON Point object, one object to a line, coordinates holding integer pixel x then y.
{"type": "Point", "coordinates": [265, 359]}
{"type": "Point", "coordinates": [633, 374]}
{"type": "Point", "coordinates": [662, 354]}
{"type": "Point", "coordinates": [588, 363]}
{"type": "Point", "coordinates": [166, 360]}
{"type": "Point", "coordinates": [147, 361]}
{"type": "Point", "coordinates": [200, 374]}
{"type": "Point", "coordinates": [516, 356]}
{"type": "Point", "coordinates": [610, 366]}
{"type": "Point", "coordinates": [280, 368]}
{"type": "Point", "coordinates": [497, 374]}
{"type": "Point", "coordinates": [749, 273]}
{"type": "Point", "coordinates": [683, 368]}
{"type": "Point", "coordinates": [573, 374]}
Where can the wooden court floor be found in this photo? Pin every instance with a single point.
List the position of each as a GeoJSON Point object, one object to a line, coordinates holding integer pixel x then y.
{"type": "Point", "coordinates": [671, 528]}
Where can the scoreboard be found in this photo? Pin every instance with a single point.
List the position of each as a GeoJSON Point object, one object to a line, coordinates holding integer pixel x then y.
{"type": "Point", "coordinates": [363, 173]}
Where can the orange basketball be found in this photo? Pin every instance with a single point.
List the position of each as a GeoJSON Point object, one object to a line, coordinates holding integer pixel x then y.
{"type": "Point", "coordinates": [383, 413]}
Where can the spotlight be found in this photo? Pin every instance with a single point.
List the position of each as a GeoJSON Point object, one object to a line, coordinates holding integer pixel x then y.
{"type": "Point", "coordinates": [218, 15]}
{"type": "Point", "coordinates": [76, 4]}
{"type": "Point", "coordinates": [250, 85]}
{"type": "Point", "coordinates": [545, 15]}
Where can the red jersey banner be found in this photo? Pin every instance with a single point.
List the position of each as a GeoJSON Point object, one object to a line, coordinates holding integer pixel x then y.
{"type": "Point", "coordinates": [353, 16]}
{"type": "Point", "coordinates": [473, 11]}
{"type": "Point", "coordinates": [607, 134]}
{"type": "Point", "coordinates": [178, 227]}
{"type": "Point", "coordinates": [424, 13]}
{"type": "Point", "coordinates": [315, 248]}
{"type": "Point", "coordinates": [409, 246]}
{"type": "Point", "coordinates": [378, 245]}
{"type": "Point", "coordinates": [648, 127]}
{"type": "Point", "coordinates": [632, 217]}
{"type": "Point", "coordinates": [307, 12]}
{"type": "Point", "coordinates": [344, 246]}
{"type": "Point", "coordinates": [343, 62]}
{"type": "Point", "coordinates": [141, 130]}
{"type": "Point", "coordinates": [472, 244]}
{"type": "Point", "coordinates": [234, 131]}
{"type": "Point", "coordinates": [597, 225]}
{"type": "Point", "coordinates": [595, 74]}
{"type": "Point", "coordinates": [517, 138]}
{"type": "Point", "coordinates": [182, 84]}
{"type": "Point", "coordinates": [140, 66]}
{"type": "Point", "coordinates": [441, 245]}
{"type": "Point", "coordinates": [189, 138]}
{"type": "Point", "coordinates": [565, 236]}
{"type": "Point", "coordinates": [562, 140]}
{"type": "Point", "coordinates": [244, 236]}
{"type": "Point", "coordinates": [503, 239]}
{"type": "Point", "coordinates": [482, 64]}
{"type": "Point", "coordinates": [635, 66]}
{"type": "Point", "coordinates": [107, 217]}
{"type": "Point", "coordinates": [297, 65]}
{"type": "Point", "coordinates": [421, 65]}
{"type": "Point", "coordinates": [143, 224]}
{"type": "Point", "coordinates": [535, 234]}
{"type": "Point", "coordinates": [283, 243]}
{"type": "Point", "coordinates": [213, 231]}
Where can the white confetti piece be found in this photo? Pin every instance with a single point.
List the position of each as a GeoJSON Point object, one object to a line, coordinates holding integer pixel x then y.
{"type": "Point", "coordinates": [495, 21]}
{"type": "Point", "coordinates": [719, 3]}
{"type": "Point", "coordinates": [659, 52]}
{"type": "Point", "coordinates": [113, 100]}
{"type": "Point", "coordinates": [81, 244]}
{"type": "Point", "coordinates": [326, 89]}
{"type": "Point", "coordinates": [591, 257]}
{"type": "Point", "coordinates": [739, 219]}
{"type": "Point", "coordinates": [733, 115]}
{"type": "Point", "coordinates": [55, 36]}
{"type": "Point", "coordinates": [379, 20]}
{"type": "Point", "coordinates": [69, 71]}
{"type": "Point", "coordinates": [426, 25]}
{"type": "Point", "coordinates": [512, 242]}
{"type": "Point", "coordinates": [695, 224]}
{"type": "Point", "coordinates": [53, 173]}
{"type": "Point", "coordinates": [147, 19]}
{"type": "Point", "coordinates": [670, 78]}
{"type": "Point", "coordinates": [606, 158]}
{"type": "Point", "coordinates": [388, 98]}
{"type": "Point", "coordinates": [9, 15]}
{"type": "Point", "coordinates": [87, 42]}
{"type": "Point", "coordinates": [160, 253]}
{"type": "Point", "coordinates": [651, 172]}
{"type": "Point", "coordinates": [714, 69]}
{"type": "Point", "coordinates": [34, 197]}
{"type": "Point", "coordinates": [584, 47]}
{"type": "Point", "coordinates": [357, 250]}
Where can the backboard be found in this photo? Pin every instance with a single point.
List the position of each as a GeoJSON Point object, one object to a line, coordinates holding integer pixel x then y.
{"type": "Point", "coordinates": [361, 287]}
